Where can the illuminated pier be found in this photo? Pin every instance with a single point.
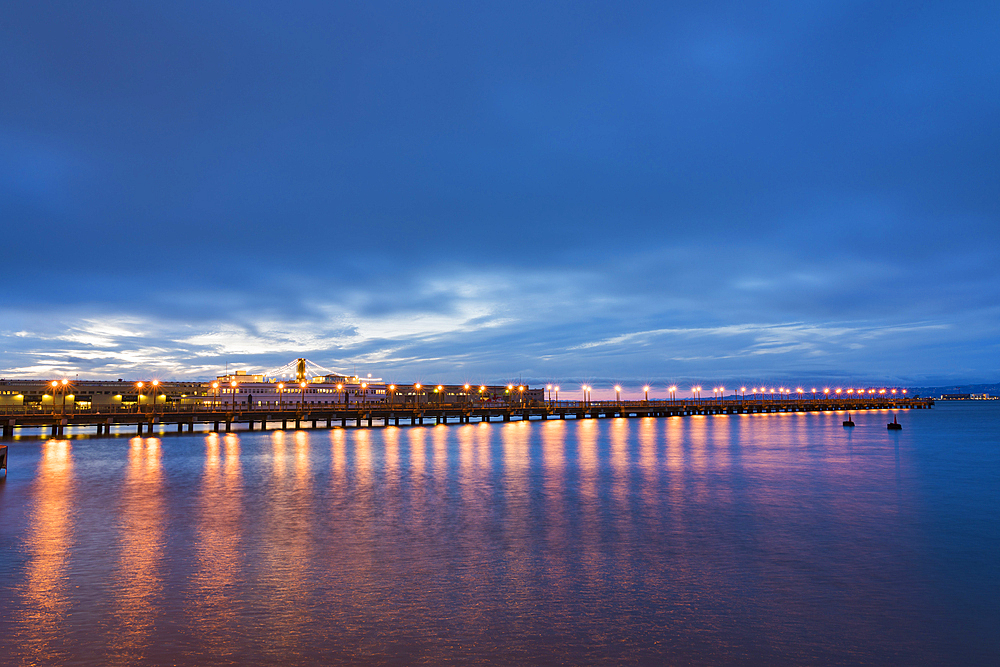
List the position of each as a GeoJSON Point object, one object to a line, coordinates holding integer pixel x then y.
{"type": "Point", "coordinates": [224, 418]}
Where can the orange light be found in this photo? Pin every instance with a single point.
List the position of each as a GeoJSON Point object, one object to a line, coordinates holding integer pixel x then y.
{"type": "Point", "coordinates": [156, 383]}
{"type": "Point", "coordinates": [215, 385]}
{"type": "Point", "coordinates": [65, 382]}
{"type": "Point", "coordinates": [417, 386]}
{"type": "Point", "coordinates": [301, 384]}
{"type": "Point", "coordinates": [617, 388]}
{"type": "Point", "coordinates": [482, 389]}
{"type": "Point", "coordinates": [139, 385]}
{"type": "Point", "coordinates": [281, 385]}
{"type": "Point", "coordinates": [55, 384]}
{"type": "Point", "coordinates": [233, 383]}
{"type": "Point", "coordinates": [645, 388]}
{"type": "Point", "coordinates": [392, 387]}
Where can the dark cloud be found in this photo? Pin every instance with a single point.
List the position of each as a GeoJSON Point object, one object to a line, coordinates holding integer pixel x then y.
{"type": "Point", "coordinates": [493, 189]}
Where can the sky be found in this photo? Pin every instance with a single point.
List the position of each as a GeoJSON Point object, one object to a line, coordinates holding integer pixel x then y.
{"type": "Point", "coordinates": [634, 192]}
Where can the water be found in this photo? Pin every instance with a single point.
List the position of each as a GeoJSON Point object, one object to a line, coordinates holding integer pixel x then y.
{"type": "Point", "coordinates": [760, 540]}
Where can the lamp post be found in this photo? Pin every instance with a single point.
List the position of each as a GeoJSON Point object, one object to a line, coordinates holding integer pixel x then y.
{"type": "Point", "coordinates": [440, 393]}
{"type": "Point", "coordinates": [673, 393]}
{"type": "Point", "coordinates": [302, 396]}
{"type": "Point", "coordinates": [618, 394]}
{"type": "Point", "coordinates": [557, 393]}
{"type": "Point", "coordinates": [392, 394]}
{"type": "Point", "coordinates": [722, 394]}
{"type": "Point", "coordinates": [154, 387]}
{"type": "Point", "coordinates": [743, 390]}
{"type": "Point", "coordinates": [416, 394]}
{"type": "Point", "coordinates": [233, 386]}
{"type": "Point", "coordinates": [364, 394]}
{"type": "Point", "coordinates": [645, 390]}
{"type": "Point", "coordinates": [138, 396]}
{"type": "Point", "coordinates": [281, 396]}
{"type": "Point", "coordinates": [466, 388]}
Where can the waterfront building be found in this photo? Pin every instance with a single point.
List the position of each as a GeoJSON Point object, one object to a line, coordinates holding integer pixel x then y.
{"type": "Point", "coordinates": [241, 390]}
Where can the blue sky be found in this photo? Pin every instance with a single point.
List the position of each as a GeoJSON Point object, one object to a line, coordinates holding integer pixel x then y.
{"type": "Point", "coordinates": [570, 191]}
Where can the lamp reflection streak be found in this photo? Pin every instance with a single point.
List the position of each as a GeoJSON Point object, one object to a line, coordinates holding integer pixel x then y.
{"type": "Point", "coordinates": [138, 578]}
{"type": "Point", "coordinates": [46, 598]}
{"type": "Point", "coordinates": [218, 545]}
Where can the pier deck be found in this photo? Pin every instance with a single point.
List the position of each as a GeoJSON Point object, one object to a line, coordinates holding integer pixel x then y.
{"type": "Point", "coordinates": [224, 418]}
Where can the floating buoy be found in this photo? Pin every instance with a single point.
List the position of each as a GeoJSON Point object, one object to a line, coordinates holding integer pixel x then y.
{"type": "Point", "coordinates": [848, 422]}
{"type": "Point", "coordinates": [895, 425]}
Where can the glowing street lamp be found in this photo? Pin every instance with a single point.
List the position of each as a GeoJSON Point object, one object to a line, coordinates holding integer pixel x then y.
{"type": "Point", "coordinates": [302, 396]}
{"type": "Point", "coordinates": [154, 387]}
{"type": "Point", "coordinates": [722, 393]}
{"type": "Point", "coordinates": [215, 390]}
{"type": "Point", "coordinates": [743, 390]}
{"type": "Point", "coordinates": [557, 393]}
{"type": "Point", "coordinates": [281, 395]}
{"type": "Point", "coordinates": [645, 390]}
{"type": "Point", "coordinates": [232, 401]}
{"type": "Point", "coordinates": [138, 395]}
{"type": "Point", "coordinates": [673, 392]}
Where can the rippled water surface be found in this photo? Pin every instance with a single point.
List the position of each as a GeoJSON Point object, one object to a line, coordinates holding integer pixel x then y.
{"type": "Point", "coordinates": [755, 539]}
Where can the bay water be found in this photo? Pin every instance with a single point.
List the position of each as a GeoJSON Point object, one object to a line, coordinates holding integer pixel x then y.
{"type": "Point", "coordinates": [781, 539]}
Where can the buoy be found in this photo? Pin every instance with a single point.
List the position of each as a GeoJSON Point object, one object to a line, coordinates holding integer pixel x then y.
{"type": "Point", "coordinates": [848, 422]}
{"type": "Point", "coordinates": [895, 425]}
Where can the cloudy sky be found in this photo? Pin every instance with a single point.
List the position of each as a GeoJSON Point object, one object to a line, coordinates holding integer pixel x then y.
{"type": "Point", "coordinates": [571, 191]}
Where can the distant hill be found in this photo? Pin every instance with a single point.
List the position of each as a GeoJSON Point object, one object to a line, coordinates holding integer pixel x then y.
{"type": "Point", "coordinates": [933, 392]}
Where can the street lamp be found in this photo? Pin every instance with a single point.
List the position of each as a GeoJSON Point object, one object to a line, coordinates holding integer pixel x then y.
{"type": "Point", "coordinates": [138, 396]}
{"type": "Point", "coordinates": [281, 395]}
{"type": "Point", "coordinates": [232, 401]}
{"type": "Point", "coordinates": [364, 393]}
{"type": "Point", "coordinates": [743, 390]}
{"type": "Point", "coordinates": [392, 393]}
{"type": "Point", "coordinates": [618, 394]}
{"type": "Point", "coordinates": [673, 392]}
{"type": "Point", "coordinates": [416, 395]}
{"type": "Point", "coordinates": [646, 392]}
{"type": "Point", "coordinates": [302, 396]}
{"type": "Point", "coordinates": [440, 393]}
{"type": "Point", "coordinates": [155, 384]}
{"type": "Point", "coordinates": [557, 393]}
{"type": "Point", "coordinates": [722, 394]}
{"type": "Point", "coordinates": [215, 401]}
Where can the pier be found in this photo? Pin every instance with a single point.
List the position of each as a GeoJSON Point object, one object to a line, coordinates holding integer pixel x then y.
{"type": "Point", "coordinates": [185, 419]}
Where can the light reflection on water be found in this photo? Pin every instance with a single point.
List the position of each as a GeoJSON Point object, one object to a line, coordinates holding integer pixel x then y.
{"type": "Point", "coordinates": [765, 539]}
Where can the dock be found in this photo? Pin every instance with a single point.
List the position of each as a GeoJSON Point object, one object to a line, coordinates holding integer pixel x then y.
{"type": "Point", "coordinates": [226, 419]}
